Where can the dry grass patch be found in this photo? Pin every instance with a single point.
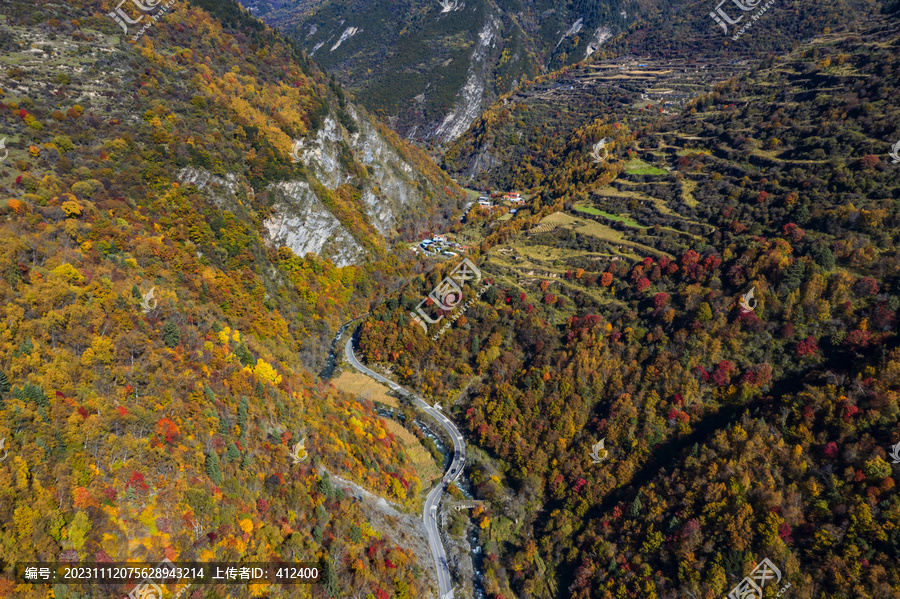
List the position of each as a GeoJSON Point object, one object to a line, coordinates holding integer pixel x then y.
{"type": "Point", "coordinates": [687, 188]}
{"type": "Point", "coordinates": [362, 386]}
{"type": "Point", "coordinates": [421, 458]}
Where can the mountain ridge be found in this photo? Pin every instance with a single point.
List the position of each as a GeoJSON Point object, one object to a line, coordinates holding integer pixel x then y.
{"type": "Point", "coordinates": [455, 57]}
{"type": "Point", "coordinates": [156, 348]}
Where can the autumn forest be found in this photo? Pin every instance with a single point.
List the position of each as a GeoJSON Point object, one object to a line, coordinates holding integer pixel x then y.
{"type": "Point", "coordinates": [716, 300]}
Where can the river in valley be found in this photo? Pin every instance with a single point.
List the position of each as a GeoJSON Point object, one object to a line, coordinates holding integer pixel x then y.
{"type": "Point", "coordinates": [472, 536]}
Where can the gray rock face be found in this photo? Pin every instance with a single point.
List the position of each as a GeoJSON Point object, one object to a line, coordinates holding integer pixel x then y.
{"type": "Point", "coordinates": [299, 219]}
{"type": "Point", "coordinates": [221, 190]}
{"type": "Point", "coordinates": [304, 224]}
{"type": "Point", "coordinates": [472, 101]}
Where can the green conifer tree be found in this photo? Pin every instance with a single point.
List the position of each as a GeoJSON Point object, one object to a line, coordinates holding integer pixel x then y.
{"type": "Point", "coordinates": [233, 453]}
{"type": "Point", "coordinates": [172, 334]}
{"type": "Point", "coordinates": [213, 469]}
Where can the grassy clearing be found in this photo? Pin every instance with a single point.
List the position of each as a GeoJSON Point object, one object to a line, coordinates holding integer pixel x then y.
{"type": "Point", "coordinates": [639, 167]}
{"type": "Point", "coordinates": [421, 458]}
{"type": "Point", "coordinates": [362, 386]}
{"type": "Point", "coordinates": [687, 188]}
{"type": "Point", "coordinates": [600, 231]}
{"type": "Point", "coordinates": [542, 227]}
{"type": "Point", "coordinates": [540, 254]}
{"type": "Point", "coordinates": [621, 219]}
{"type": "Point", "coordinates": [689, 151]}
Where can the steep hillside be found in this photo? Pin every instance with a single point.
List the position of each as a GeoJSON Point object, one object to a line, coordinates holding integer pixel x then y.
{"type": "Point", "coordinates": [688, 29]}
{"type": "Point", "coordinates": [668, 57]}
{"type": "Point", "coordinates": [432, 67]}
{"type": "Point", "coordinates": [169, 277]}
{"type": "Point", "coordinates": [225, 127]}
{"type": "Point", "coordinates": [717, 303]}
{"type": "Point", "coordinates": [527, 134]}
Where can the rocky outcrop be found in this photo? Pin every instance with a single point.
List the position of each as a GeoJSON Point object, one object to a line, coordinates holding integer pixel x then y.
{"type": "Point", "coordinates": [299, 219]}
{"type": "Point", "coordinates": [472, 100]}
{"type": "Point", "coordinates": [302, 223]}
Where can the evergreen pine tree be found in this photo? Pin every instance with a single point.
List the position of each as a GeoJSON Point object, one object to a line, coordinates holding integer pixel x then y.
{"type": "Point", "coordinates": [242, 410]}
{"type": "Point", "coordinates": [233, 453]}
{"type": "Point", "coordinates": [244, 355]}
{"type": "Point", "coordinates": [355, 534]}
{"type": "Point", "coordinates": [32, 393]}
{"type": "Point", "coordinates": [136, 292]}
{"type": "Point", "coordinates": [793, 274]}
{"type": "Point", "coordinates": [325, 487]}
{"type": "Point", "coordinates": [4, 383]}
{"type": "Point", "coordinates": [329, 578]}
{"type": "Point", "coordinates": [636, 506]}
{"type": "Point", "coordinates": [213, 468]}
{"type": "Point", "coordinates": [172, 334]}
{"type": "Point", "coordinates": [824, 257]}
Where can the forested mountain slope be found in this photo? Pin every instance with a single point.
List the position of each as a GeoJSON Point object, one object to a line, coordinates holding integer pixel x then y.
{"type": "Point", "coordinates": [736, 426]}
{"type": "Point", "coordinates": [521, 138]}
{"type": "Point", "coordinates": [432, 67]}
{"type": "Point", "coordinates": [156, 333]}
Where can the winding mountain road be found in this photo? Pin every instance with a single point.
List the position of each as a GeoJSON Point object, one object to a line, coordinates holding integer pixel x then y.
{"type": "Point", "coordinates": [429, 513]}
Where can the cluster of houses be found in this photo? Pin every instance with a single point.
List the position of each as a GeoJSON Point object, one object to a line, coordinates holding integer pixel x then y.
{"type": "Point", "coordinates": [439, 244]}
{"type": "Point", "coordinates": [513, 198]}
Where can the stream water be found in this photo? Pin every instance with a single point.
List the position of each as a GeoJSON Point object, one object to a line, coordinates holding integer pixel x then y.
{"type": "Point", "coordinates": [331, 362]}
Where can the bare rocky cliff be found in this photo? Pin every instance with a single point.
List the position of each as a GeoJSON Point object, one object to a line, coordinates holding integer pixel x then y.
{"type": "Point", "coordinates": [392, 191]}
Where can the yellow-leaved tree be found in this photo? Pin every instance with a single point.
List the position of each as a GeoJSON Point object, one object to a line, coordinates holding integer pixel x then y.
{"type": "Point", "coordinates": [265, 372]}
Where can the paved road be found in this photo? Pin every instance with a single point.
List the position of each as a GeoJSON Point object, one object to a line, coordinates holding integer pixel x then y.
{"type": "Point", "coordinates": [429, 513]}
